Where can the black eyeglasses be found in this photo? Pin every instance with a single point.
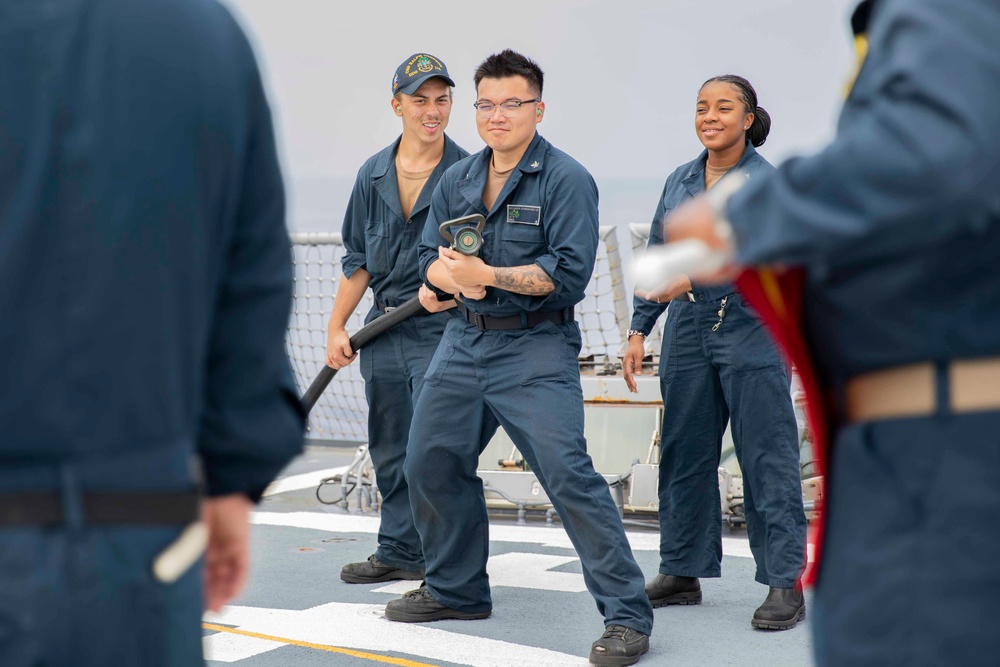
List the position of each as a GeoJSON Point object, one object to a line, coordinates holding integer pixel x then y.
{"type": "Point", "coordinates": [508, 108]}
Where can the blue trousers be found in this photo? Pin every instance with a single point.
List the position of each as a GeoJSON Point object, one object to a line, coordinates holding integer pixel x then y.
{"type": "Point", "coordinates": [909, 570]}
{"type": "Point", "coordinates": [83, 594]}
{"type": "Point", "coordinates": [527, 381]}
{"type": "Point", "coordinates": [87, 597]}
{"type": "Point", "coordinates": [707, 378]}
{"type": "Point", "coordinates": [393, 368]}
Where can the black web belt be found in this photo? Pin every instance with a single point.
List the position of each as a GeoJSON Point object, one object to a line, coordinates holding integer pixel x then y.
{"type": "Point", "coordinates": [46, 508]}
{"type": "Point", "coordinates": [523, 321]}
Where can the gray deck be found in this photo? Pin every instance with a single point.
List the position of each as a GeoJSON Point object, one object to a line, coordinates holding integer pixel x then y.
{"type": "Point", "coordinates": [296, 611]}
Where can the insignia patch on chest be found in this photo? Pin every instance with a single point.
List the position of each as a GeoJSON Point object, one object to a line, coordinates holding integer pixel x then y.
{"type": "Point", "coordinates": [524, 215]}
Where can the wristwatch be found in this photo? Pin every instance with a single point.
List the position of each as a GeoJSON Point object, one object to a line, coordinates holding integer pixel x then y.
{"type": "Point", "coordinates": [634, 332]}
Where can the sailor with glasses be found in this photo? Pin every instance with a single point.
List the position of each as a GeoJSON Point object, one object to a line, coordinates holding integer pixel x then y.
{"type": "Point", "coordinates": [510, 360]}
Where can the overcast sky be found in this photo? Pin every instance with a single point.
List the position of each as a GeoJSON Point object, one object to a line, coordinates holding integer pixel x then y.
{"type": "Point", "coordinates": [621, 76]}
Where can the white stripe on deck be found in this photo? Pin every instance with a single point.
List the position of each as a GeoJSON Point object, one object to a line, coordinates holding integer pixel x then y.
{"type": "Point", "coordinates": [306, 480]}
{"type": "Point", "coordinates": [363, 627]}
{"type": "Point", "coordinates": [518, 570]}
{"type": "Point", "coordinates": [233, 648]}
{"type": "Point", "coordinates": [546, 536]}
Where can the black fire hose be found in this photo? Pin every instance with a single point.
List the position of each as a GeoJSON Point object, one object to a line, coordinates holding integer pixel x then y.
{"type": "Point", "coordinates": [365, 335]}
{"type": "Point", "coordinates": [467, 241]}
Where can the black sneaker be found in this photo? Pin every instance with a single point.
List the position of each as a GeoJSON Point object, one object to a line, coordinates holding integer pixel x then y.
{"type": "Point", "coordinates": [667, 589]}
{"type": "Point", "coordinates": [373, 571]}
{"type": "Point", "coordinates": [619, 645]}
{"type": "Point", "coordinates": [782, 609]}
{"type": "Point", "coordinates": [419, 607]}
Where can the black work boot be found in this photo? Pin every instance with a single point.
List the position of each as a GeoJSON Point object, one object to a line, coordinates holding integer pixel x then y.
{"type": "Point", "coordinates": [782, 609]}
{"type": "Point", "coordinates": [619, 645]}
{"type": "Point", "coordinates": [373, 571]}
{"type": "Point", "coordinates": [419, 607]}
{"type": "Point", "coordinates": [667, 589]}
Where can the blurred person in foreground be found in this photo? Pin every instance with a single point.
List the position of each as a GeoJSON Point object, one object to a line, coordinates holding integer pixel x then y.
{"type": "Point", "coordinates": [146, 281]}
{"type": "Point", "coordinates": [889, 239]}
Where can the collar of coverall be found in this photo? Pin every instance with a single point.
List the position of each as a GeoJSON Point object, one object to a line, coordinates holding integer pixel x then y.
{"type": "Point", "coordinates": [694, 180]}
{"type": "Point", "coordinates": [386, 157]}
{"type": "Point", "coordinates": [533, 159]}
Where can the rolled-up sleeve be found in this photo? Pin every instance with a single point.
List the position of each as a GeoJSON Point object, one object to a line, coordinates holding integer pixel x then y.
{"type": "Point", "coordinates": [252, 424]}
{"type": "Point", "coordinates": [916, 154]}
{"type": "Point", "coordinates": [353, 230]}
{"type": "Point", "coordinates": [570, 220]}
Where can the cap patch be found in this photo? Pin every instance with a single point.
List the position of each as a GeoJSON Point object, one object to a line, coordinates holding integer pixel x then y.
{"type": "Point", "coordinates": [422, 64]}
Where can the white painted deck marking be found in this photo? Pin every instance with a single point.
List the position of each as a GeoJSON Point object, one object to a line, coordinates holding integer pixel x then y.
{"type": "Point", "coordinates": [525, 570]}
{"type": "Point", "coordinates": [362, 627]}
{"type": "Point", "coordinates": [397, 588]}
{"type": "Point", "coordinates": [307, 480]}
{"type": "Point", "coordinates": [546, 536]}
{"type": "Point", "coordinates": [517, 570]}
{"type": "Point", "coordinates": [233, 648]}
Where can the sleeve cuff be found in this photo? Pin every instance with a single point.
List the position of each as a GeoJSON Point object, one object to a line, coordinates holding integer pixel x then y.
{"type": "Point", "coordinates": [641, 326]}
{"type": "Point", "coordinates": [549, 264]}
{"type": "Point", "coordinates": [248, 478]}
{"type": "Point", "coordinates": [439, 293]}
{"type": "Point", "coordinates": [351, 262]}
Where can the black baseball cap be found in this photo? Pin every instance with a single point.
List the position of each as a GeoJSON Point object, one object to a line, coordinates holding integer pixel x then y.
{"type": "Point", "coordinates": [416, 69]}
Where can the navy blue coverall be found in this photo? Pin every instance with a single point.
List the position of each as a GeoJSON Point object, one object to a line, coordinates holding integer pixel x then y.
{"type": "Point", "coordinates": [146, 278]}
{"type": "Point", "coordinates": [711, 373]}
{"type": "Point", "coordinates": [383, 241]}
{"type": "Point", "coordinates": [897, 222]}
{"type": "Point", "coordinates": [526, 380]}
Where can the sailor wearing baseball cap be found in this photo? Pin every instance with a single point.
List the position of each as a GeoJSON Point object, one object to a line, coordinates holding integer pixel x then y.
{"type": "Point", "coordinates": [416, 69]}
{"type": "Point", "coordinates": [381, 230]}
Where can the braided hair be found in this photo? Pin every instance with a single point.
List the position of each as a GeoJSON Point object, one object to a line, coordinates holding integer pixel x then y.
{"type": "Point", "coordinates": [757, 134]}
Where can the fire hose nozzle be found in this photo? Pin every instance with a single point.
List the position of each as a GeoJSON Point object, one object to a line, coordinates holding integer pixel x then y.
{"type": "Point", "coordinates": [468, 240]}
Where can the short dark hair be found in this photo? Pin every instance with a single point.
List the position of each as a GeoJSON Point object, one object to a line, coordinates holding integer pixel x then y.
{"type": "Point", "coordinates": [757, 134]}
{"type": "Point", "coordinates": [511, 63]}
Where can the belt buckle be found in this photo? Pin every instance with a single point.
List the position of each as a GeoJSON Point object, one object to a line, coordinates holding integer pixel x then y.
{"type": "Point", "coordinates": [479, 320]}
{"type": "Point", "coordinates": [389, 309]}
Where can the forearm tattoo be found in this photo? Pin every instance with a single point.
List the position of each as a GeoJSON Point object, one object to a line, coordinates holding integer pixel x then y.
{"type": "Point", "coordinates": [529, 279]}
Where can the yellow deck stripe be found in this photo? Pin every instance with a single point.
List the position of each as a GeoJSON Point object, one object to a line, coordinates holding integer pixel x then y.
{"type": "Point", "coordinates": [402, 662]}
